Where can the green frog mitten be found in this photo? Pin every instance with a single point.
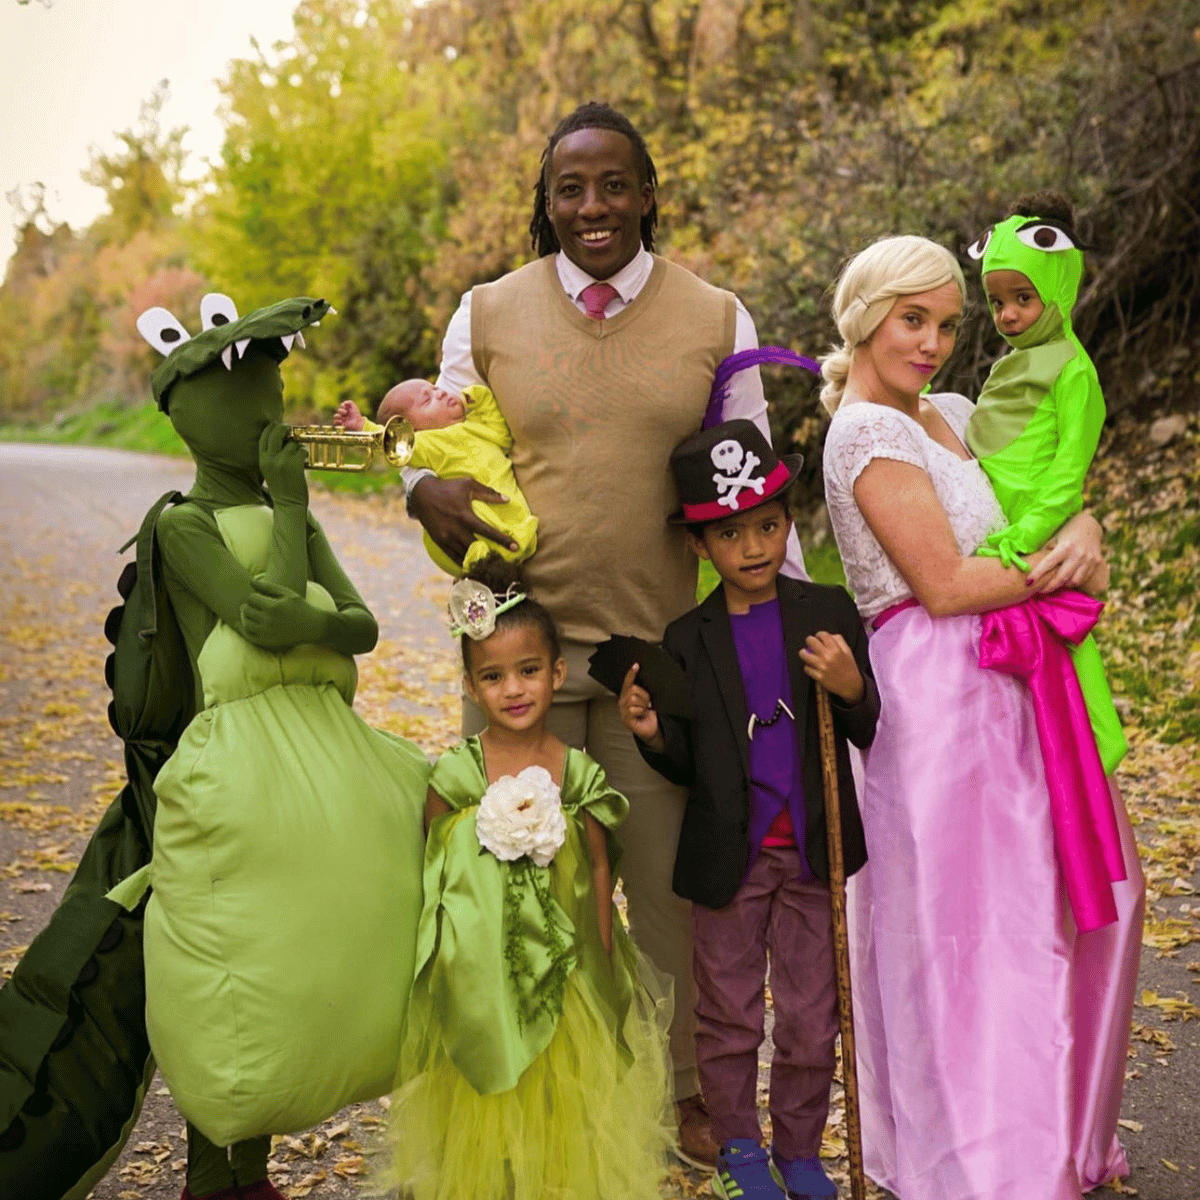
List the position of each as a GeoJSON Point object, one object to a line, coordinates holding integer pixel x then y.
{"type": "Point", "coordinates": [1038, 421]}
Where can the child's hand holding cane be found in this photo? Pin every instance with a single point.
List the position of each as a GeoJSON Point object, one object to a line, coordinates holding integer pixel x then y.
{"type": "Point", "coordinates": [829, 660]}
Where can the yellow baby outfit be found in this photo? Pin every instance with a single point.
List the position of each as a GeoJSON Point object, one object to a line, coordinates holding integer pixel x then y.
{"type": "Point", "coordinates": [478, 447]}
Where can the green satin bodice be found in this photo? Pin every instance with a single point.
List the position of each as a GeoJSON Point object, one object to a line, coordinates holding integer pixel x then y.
{"type": "Point", "coordinates": [497, 939]}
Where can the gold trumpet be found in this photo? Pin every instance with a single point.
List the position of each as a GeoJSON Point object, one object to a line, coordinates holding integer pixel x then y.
{"type": "Point", "coordinates": [327, 445]}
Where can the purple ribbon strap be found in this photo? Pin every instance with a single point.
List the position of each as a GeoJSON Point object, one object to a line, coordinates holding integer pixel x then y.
{"type": "Point", "coordinates": [1029, 641]}
{"type": "Point", "coordinates": [727, 368]}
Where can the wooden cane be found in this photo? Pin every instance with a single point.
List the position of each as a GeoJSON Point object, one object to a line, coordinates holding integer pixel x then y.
{"type": "Point", "coordinates": [841, 942]}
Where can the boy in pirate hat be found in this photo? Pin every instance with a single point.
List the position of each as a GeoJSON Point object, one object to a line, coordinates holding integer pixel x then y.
{"type": "Point", "coordinates": [752, 852]}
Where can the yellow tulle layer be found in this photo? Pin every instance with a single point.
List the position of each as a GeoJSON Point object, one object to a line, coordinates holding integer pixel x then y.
{"type": "Point", "coordinates": [579, 1125]}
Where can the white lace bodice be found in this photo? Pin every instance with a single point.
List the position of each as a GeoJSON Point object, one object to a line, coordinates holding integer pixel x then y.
{"type": "Point", "coordinates": [861, 431]}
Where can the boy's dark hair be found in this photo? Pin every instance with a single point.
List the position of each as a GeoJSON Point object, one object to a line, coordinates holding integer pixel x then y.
{"type": "Point", "coordinates": [500, 576]}
{"type": "Point", "coordinates": [592, 115]}
{"type": "Point", "coordinates": [1055, 206]}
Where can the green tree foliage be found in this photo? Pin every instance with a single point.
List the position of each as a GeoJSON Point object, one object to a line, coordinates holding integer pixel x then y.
{"type": "Point", "coordinates": [334, 181]}
{"type": "Point", "coordinates": [385, 156]}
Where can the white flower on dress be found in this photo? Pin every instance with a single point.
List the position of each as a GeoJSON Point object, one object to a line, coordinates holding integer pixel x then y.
{"type": "Point", "coordinates": [522, 815]}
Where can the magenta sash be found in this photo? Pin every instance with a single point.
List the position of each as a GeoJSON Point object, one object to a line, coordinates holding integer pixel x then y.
{"type": "Point", "coordinates": [1029, 641]}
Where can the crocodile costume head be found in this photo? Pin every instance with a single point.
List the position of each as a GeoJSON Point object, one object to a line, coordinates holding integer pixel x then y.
{"type": "Point", "coordinates": [222, 387]}
{"type": "Point", "coordinates": [1045, 251]}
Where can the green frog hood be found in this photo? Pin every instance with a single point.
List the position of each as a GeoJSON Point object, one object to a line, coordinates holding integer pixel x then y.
{"type": "Point", "coordinates": [222, 387]}
{"type": "Point", "coordinates": [1044, 251]}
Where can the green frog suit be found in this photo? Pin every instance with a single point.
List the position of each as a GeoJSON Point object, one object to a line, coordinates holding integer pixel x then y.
{"type": "Point", "coordinates": [1037, 424]}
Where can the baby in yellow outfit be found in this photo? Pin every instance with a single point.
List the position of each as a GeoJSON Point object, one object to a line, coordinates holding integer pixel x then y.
{"type": "Point", "coordinates": [459, 436]}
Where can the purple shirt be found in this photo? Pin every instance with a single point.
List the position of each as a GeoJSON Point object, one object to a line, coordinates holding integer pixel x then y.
{"type": "Point", "coordinates": [776, 773]}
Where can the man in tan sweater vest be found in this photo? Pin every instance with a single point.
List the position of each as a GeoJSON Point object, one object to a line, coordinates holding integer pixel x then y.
{"type": "Point", "coordinates": [601, 356]}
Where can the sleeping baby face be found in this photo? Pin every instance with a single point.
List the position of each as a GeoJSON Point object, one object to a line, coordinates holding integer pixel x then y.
{"type": "Point", "coordinates": [425, 406]}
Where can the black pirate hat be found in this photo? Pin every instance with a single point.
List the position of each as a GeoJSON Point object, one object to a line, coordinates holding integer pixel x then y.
{"type": "Point", "coordinates": [726, 470]}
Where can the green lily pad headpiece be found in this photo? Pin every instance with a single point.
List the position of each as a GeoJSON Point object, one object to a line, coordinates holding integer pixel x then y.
{"type": "Point", "coordinates": [225, 336]}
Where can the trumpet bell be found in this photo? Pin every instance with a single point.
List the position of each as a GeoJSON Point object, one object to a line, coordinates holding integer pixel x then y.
{"type": "Point", "coordinates": [332, 449]}
{"type": "Point", "coordinates": [399, 438]}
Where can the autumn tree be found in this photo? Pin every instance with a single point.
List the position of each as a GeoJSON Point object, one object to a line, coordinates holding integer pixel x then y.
{"type": "Point", "coordinates": [141, 180]}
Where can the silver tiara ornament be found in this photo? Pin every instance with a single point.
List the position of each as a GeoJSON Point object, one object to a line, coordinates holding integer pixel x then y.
{"type": "Point", "coordinates": [474, 608]}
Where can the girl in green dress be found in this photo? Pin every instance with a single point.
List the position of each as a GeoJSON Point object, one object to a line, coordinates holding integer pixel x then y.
{"type": "Point", "coordinates": [534, 1058]}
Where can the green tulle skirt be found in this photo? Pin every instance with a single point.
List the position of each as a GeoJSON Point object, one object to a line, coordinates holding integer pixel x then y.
{"type": "Point", "coordinates": [581, 1124]}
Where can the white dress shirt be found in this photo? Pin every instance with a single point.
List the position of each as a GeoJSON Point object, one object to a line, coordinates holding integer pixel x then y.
{"type": "Point", "coordinates": [745, 398]}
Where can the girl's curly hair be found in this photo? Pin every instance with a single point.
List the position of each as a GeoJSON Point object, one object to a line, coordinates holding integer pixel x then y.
{"type": "Point", "coordinates": [503, 577]}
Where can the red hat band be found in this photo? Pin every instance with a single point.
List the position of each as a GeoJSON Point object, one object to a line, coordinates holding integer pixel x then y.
{"type": "Point", "coordinates": [729, 504]}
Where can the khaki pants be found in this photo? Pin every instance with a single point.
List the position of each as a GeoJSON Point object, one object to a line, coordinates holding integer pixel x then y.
{"type": "Point", "coordinates": [584, 715]}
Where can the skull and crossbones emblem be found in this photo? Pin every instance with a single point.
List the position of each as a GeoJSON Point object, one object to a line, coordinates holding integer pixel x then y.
{"type": "Point", "coordinates": [733, 471]}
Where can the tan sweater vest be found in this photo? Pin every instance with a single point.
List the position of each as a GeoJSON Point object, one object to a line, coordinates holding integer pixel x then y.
{"type": "Point", "coordinates": [595, 409]}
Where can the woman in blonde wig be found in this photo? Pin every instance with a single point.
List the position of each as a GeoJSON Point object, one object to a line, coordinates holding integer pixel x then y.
{"type": "Point", "coordinates": [991, 1034]}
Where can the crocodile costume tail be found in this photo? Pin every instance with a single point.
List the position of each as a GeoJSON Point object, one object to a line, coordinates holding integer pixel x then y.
{"type": "Point", "coordinates": [75, 1060]}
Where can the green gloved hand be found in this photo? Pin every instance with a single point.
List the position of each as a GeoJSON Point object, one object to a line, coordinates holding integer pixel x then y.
{"type": "Point", "coordinates": [277, 618]}
{"type": "Point", "coordinates": [282, 465]}
{"type": "Point", "coordinates": [997, 546]}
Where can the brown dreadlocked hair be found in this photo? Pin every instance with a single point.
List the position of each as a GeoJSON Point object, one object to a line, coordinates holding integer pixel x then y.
{"type": "Point", "coordinates": [592, 115]}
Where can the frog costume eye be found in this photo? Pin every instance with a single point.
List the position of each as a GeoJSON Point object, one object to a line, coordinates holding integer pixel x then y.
{"type": "Point", "coordinates": [1045, 235]}
{"type": "Point", "coordinates": [978, 248]}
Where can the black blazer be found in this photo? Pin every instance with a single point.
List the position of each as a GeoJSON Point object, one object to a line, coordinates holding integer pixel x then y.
{"type": "Point", "coordinates": [709, 754]}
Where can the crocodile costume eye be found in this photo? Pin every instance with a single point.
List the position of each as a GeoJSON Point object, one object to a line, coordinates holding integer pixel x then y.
{"type": "Point", "coordinates": [217, 309]}
{"type": "Point", "coordinates": [978, 247]}
{"type": "Point", "coordinates": [1040, 235]}
{"type": "Point", "coordinates": [162, 330]}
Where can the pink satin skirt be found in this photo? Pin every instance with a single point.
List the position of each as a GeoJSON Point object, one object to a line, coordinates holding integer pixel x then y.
{"type": "Point", "coordinates": [991, 1035]}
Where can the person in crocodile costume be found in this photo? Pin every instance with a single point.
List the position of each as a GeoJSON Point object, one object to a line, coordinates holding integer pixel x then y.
{"type": "Point", "coordinates": [286, 833]}
{"type": "Point", "coordinates": [1039, 417]}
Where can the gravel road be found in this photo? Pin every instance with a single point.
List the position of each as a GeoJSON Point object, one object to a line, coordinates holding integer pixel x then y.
{"type": "Point", "coordinates": [65, 511]}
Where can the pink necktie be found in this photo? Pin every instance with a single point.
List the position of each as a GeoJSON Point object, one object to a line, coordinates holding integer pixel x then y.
{"type": "Point", "coordinates": [596, 297]}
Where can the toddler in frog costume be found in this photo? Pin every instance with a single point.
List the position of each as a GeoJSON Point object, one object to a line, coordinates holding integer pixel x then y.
{"type": "Point", "coordinates": [1039, 417]}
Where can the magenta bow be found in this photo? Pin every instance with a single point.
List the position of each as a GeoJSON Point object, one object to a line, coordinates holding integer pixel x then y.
{"type": "Point", "coordinates": [1029, 641]}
